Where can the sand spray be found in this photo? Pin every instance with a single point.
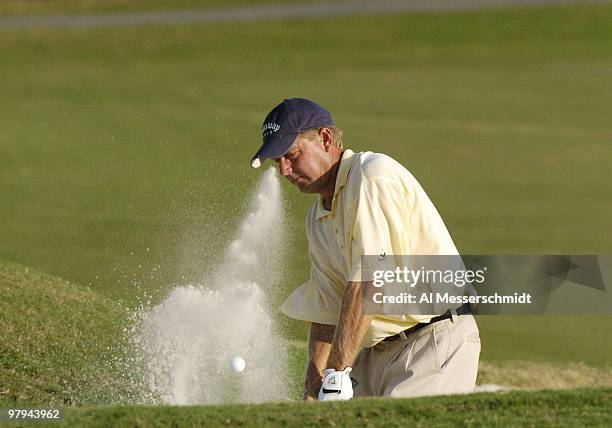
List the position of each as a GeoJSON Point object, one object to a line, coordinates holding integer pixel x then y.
{"type": "Point", "coordinates": [183, 346]}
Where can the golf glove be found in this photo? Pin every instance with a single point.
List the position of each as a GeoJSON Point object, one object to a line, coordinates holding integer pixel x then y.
{"type": "Point", "coordinates": [337, 385]}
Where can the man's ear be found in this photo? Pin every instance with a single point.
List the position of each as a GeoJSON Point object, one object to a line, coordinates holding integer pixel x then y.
{"type": "Point", "coordinates": [326, 136]}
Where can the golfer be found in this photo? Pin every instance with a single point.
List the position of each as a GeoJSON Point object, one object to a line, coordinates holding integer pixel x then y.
{"type": "Point", "coordinates": [367, 204]}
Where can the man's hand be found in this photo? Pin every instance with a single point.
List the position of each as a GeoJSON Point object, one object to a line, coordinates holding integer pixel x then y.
{"type": "Point", "coordinates": [335, 347]}
{"type": "Point", "coordinates": [336, 385]}
{"type": "Point", "coordinates": [319, 345]}
{"type": "Point", "coordinates": [312, 381]}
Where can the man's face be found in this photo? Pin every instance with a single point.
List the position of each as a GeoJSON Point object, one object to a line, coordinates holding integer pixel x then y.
{"type": "Point", "coordinates": [305, 163]}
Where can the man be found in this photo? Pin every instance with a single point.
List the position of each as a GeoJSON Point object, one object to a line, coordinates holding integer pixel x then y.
{"type": "Point", "coordinates": [368, 204]}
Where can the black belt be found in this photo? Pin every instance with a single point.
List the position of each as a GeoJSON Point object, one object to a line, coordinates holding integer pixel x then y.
{"type": "Point", "coordinates": [461, 310]}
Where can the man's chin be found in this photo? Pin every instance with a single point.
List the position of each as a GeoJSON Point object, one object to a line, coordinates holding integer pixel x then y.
{"type": "Point", "coordinates": [306, 188]}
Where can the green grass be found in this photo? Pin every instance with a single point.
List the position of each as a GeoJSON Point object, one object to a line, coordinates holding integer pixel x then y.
{"type": "Point", "coordinates": [56, 341]}
{"type": "Point", "coordinates": [125, 155]}
{"type": "Point", "coordinates": [582, 407]}
{"type": "Point", "coordinates": [556, 339]}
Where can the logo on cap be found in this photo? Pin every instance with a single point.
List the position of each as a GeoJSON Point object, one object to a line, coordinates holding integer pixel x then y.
{"type": "Point", "coordinates": [269, 128]}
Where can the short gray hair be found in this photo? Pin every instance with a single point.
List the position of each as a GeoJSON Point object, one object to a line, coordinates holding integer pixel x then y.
{"type": "Point", "coordinates": [336, 134]}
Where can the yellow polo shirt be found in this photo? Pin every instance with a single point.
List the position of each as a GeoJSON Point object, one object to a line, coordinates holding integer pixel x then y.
{"type": "Point", "coordinates": [378, 206]}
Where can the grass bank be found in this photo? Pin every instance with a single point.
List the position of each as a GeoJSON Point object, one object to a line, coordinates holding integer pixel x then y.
{"type": "Point", "coordinates": [57, 341]}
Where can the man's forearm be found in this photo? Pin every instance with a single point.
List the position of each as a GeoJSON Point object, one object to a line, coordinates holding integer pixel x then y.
{"type": "Point", "coordinates": [351, 328]}
{"type": "Point", "coordinates": [319, 346]}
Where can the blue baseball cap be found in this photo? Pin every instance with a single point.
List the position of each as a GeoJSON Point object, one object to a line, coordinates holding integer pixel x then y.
{"type": "Point", "coordinates": [284, 123]}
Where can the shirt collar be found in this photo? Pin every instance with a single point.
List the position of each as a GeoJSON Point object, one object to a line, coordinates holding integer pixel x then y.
{"type": "Point", "coordinates": [346, 162]}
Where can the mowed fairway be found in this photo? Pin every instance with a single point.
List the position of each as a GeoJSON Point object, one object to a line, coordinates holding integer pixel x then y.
{"type": "Point", "coordinates": [124, 152]}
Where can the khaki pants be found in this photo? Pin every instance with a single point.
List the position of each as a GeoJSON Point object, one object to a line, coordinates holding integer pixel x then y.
{"type": "Point", "coordinates": [441, 358]}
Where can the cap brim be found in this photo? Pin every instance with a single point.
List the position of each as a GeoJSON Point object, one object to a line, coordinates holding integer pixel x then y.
{"type": "Point", "coordinates": [255, 162]}
{"type": "Point", "coordinates": [273, 148]}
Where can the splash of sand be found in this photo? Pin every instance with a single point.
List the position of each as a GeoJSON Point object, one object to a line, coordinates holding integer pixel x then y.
{"type": "Point", "coordinates": [184, 345]}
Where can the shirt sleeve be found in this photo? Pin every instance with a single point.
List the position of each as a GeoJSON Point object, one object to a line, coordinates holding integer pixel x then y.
{"type": "Point", "coordinates": [317, 300]}
{"type": "Point", "coordinates": [305, 304]}
{"type": "Point", "coordinates": [380, 229]}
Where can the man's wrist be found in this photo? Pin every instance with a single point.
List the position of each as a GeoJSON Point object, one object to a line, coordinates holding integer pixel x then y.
{"type": "Point", "coordinates": [337, 363]}
{"type": "Point", "coordinates": [312, 381]}
{"type": "Point", "coordinates": [337, 367]}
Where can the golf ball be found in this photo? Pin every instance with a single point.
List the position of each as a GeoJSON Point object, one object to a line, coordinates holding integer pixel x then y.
{"type": "Point", "coordinates": [237, 364]}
